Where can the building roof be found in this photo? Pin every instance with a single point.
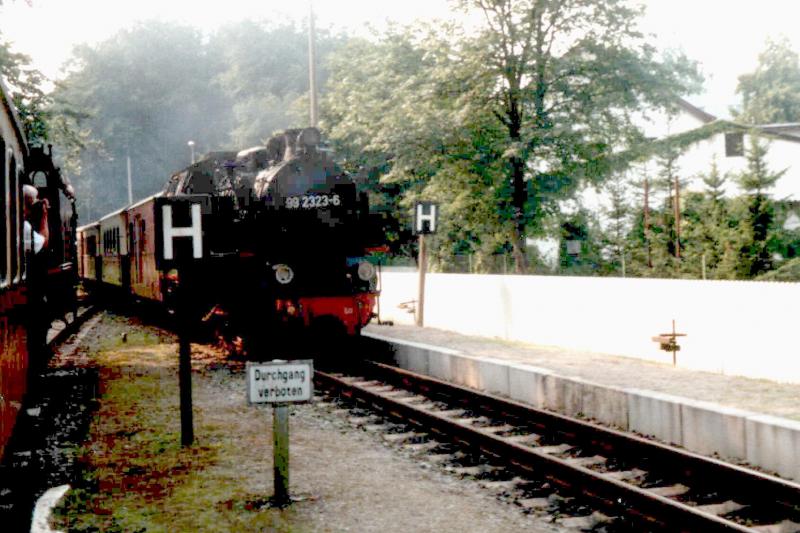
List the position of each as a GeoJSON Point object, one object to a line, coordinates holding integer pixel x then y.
{"type": "Point", "coordinates": [787, 131]}
{"type": "Point", "coordinates": [696, 112]}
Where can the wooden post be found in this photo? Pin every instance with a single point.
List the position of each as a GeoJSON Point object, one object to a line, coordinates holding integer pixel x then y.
{"type": "Point", "coordinates": [647, 221]}
{"type": "Point", "coordinates": [280, 448]}
{"type": "Point", "coordinates": [184, 367]}
{"type": "Point", "coordinates": [703, 265]}
{"type": "Point", "coordinates": [674, 345]}
{"type": "Point", "coordinates": [422, 261]}
{"type": "Point", "coordinates": [677, 218]}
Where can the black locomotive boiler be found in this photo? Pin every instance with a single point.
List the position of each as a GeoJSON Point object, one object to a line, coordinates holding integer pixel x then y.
{"type": "Point", "coordinates": [289, 244]}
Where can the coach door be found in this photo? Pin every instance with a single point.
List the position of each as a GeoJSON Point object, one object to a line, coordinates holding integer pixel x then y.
{"type": "Point", "coordinates": [13, 334]}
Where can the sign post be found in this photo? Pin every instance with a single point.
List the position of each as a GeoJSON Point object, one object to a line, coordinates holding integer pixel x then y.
{"type": "Point", "coordinates": [185, 372]}
{"type": "Point", "coordinates": [426, 217]}
{"type": "Point", "coordinates": [280, 383]}
{"type": "Point", "coordinates": [179, 244]}
{"type": "Point", "coordinates": [422, 264]}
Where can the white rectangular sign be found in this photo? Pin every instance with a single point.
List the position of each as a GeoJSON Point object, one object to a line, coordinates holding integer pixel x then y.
{"type": "Point", "coordinates": [280, 381]}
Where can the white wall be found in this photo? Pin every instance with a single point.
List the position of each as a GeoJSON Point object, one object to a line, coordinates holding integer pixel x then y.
{"type": "Point", "coordinates": [781, 155]}
{"type": "Point", "coordinates": [734, 327]}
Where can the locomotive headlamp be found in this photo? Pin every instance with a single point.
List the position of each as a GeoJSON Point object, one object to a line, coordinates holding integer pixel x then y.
{"type": "Point", "coordinates": [366, 271]}
{"type": "Point", "coordinates": [283, 273]}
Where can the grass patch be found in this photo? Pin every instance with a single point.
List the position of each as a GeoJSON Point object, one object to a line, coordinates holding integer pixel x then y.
{"type": "Point", "coordinates": [137, 477]}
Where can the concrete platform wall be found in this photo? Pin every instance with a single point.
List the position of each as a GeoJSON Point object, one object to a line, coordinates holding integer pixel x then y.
{"type": "Point", "coordinates": [768, 442]}
{"type": "Point", "coordinates": [733, 327]}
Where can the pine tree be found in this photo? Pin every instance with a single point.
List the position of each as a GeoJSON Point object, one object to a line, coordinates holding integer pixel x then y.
{"type": "Point", "coordinates": [666, 222]}
{"type": "Point", "coordinates": [618, 214]}
{"type": "Point", "coordinates": [714, 223]}
{"type": "Point", "coordinates": [758, 212]}
{"type": "Point", "coordinates": [640, 235]}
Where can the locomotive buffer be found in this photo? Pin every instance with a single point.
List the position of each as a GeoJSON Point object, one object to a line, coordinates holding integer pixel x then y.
{"type": "Point", "coordinates": [180, 247]}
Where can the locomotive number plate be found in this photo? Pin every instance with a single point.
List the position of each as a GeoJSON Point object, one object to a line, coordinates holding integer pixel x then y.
{"type": "Point", "coordinates": [313, 201]}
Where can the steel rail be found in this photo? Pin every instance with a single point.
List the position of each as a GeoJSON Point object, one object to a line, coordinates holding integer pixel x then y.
{"type": "Point", "coordinates": [72, 327]}
{"type": "Point", "coordinates": [612, 495]}
{"type": "Point", "coordinates": [755, 485]}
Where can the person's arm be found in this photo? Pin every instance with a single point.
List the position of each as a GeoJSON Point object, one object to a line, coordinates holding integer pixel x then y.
{"type": "Point", "coordinates": [44, 227]}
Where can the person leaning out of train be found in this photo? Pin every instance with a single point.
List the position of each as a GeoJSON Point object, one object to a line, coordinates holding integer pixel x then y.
{"type": "Point", "coordinates": [36, 233]}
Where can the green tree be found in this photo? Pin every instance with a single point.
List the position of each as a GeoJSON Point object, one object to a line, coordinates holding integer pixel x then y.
{"type": "Point", "coordinates": [526, 109]}
{"type": "Point", "coordinates": [666, 241]}
{"type": "Point", "coordinates": [580, 243]}
{"type": "Point", "coordinates": [148, 90]}
{"type": "Point", "coordinates": [618, 214]}
{"type": "Point", "coordinates": [771, 93]}
{"type": "Point", "coordinates": [388, 111]}
{"type": "Point", "coordinates": [713, 224]}
{"type": "Point", "coordinates": [755, 181]}
{"type": "Point", "coordinates": [641, 234]}
{"type": "Point", "coordinates": [559, 77]}
{"type": "Point", "coordinates": [29, 98]}
{"type": "Point", "coordinates": [262, 69]}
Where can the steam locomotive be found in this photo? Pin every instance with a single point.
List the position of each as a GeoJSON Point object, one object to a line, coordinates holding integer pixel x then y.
{"type": "Point", "coordinates": [34, 291]}
{"type": "Point", "coordinates": [289, 244]}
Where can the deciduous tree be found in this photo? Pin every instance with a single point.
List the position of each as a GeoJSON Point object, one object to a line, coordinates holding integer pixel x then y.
{"type": "Point", "coordinates": [772, 92]}
{"type": "Point", "coordinates": [530, 106]}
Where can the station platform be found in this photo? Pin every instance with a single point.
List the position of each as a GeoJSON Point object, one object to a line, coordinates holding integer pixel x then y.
{"type": "Point", "coordinates": [747, 421]}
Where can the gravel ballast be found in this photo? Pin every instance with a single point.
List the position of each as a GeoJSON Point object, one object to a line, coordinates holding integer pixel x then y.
{"type": "Point", "coordinates": [134, 476]}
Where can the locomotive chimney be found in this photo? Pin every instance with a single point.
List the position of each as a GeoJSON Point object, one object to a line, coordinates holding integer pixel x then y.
{"type": "Point", "coordinates": [291, 142]}
{"type": "Point", "coordinates": [308, 140]}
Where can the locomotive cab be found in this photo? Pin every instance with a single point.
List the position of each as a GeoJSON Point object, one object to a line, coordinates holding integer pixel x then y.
{"type": "Point", "coordinates": [60, 268]}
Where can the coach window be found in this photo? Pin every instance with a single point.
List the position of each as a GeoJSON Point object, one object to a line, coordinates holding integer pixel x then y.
{"type": "Point", "coordinates": [39, 179]}
{"type": "Point", "coordinates": [3, 226]}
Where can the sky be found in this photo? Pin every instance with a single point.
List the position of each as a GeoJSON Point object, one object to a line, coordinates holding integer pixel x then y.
{"type": "Point", "coordinates": [724, 36]}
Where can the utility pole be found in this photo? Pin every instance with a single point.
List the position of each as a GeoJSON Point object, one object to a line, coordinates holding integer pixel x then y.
{"type": "Point", "coordinates": [677, 217]}
{"type": "Point", "coordinates": [130, 186]}
{"type": "Point", "coordinates": [647, 219]}
{"type": "Point", "coordinates": [312, 67]}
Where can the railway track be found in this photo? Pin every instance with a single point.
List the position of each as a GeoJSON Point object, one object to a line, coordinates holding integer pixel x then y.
{"type": "Point", "coordinates": [610, 480]}
{"type": "Point", "coordinates": [56, 411]}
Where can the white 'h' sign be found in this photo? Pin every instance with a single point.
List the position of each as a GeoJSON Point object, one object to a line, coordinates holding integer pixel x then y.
{"type": "Point", "coordinates": [195, 231]}
{"type": "Point", "coordinates": [422, 217]}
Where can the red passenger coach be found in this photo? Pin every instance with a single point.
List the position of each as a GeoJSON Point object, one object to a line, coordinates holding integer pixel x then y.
{"type": "Point", "coordinates": [117, 253]}
{"type": "Point", "coordinates": [36, 286]}
{"type": "Point", "coordinates": [13, 297]}
{"type": "Point", "coordinates": [145, 279]}
{"type": "Point", "coordinates": [114, 249]}
{"type": "Point", "coordinates": [89, 264]}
